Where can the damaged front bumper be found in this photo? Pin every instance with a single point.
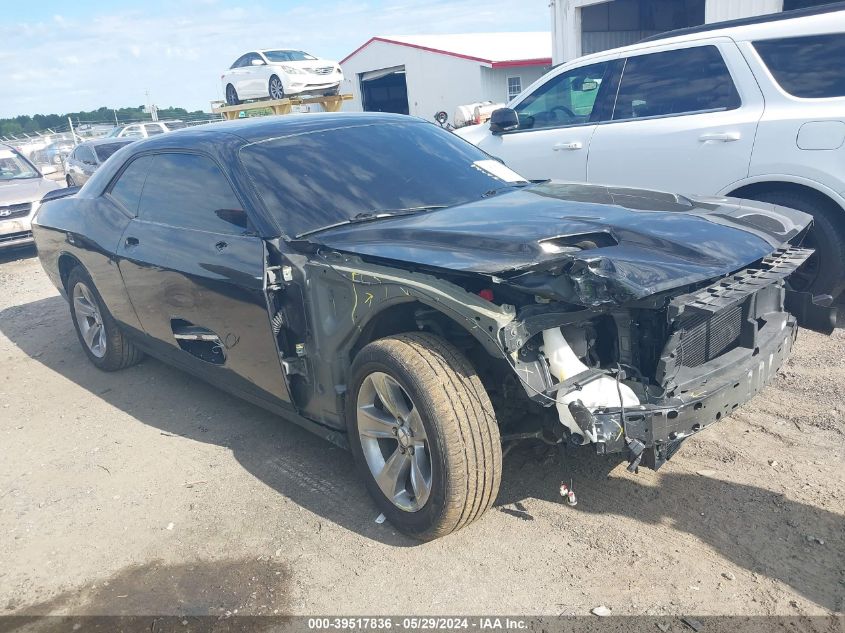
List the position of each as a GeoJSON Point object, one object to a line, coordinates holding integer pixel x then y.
{"type": "Point", "coordinates": [724, 343]}
{"type": "Point", "coordinates": [651, 433]}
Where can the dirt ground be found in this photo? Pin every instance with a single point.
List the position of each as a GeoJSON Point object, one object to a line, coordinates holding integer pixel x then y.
{"type": "Point", "coordinates": [147, 491]}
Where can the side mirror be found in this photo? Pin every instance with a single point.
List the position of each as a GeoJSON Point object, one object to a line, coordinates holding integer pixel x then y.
{"type": "Point", "coordinates": [504, 120]}
{"type": "Point", "coordinates": [256, 62]}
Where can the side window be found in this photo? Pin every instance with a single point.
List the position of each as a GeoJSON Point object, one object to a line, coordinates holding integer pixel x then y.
{"type": "Point", "coordinates": [240, 62]}
{"type": "Point", "coordinates": [152, 129]}
{"type": "Point", "coordinates": [190, 191]}
{"type": "Point", "coordinates": [85, 155]}
{"type": "Point", "coordinates": [132, 131]}
{"type": "Point", "coordinates": [675, 82]}
{"type": "Point", "coordinates": [127, 189]}
{"type": "Point", "coordinates": [567, 99]}
{"type": "Point", "coordinates": [809, 67]}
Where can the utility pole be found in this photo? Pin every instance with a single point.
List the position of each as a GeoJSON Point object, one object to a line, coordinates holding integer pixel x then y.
{"type": "Point", "coordinates": [115, 117]}
{"type": "Point", "coordinates": [72, 133]}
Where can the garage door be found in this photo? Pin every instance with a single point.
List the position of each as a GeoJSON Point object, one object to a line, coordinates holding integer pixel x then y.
{"type": "Point", "coordinates": [385, 90]}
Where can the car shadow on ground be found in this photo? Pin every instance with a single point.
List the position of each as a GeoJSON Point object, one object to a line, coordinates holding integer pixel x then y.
{"type": "Point", "coordinates": [762, 531]}
{"type": "Point", "coordinates": [321, 478]}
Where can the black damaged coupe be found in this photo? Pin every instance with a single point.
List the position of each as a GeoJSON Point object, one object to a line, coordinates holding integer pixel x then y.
{"type": "Point", "coordinates": [393, 288]}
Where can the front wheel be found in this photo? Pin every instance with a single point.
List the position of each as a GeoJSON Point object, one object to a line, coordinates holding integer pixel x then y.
{"type": "Point", "coordinates": [824, 272]}
{"type": "Point", "coordinates": [423, 434]}
{"type": "Point", "coordinates": [232, 95]}
{"type": "Point", "coordinates": [276, 88]}
{"type": "Point", "coordinates": [103, 342]}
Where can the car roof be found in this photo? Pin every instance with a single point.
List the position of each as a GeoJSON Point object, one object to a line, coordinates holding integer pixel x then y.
{"type": "Point", "coordinates": [817, 21]}
{"type": "Point", "coordinates": [250, 130]}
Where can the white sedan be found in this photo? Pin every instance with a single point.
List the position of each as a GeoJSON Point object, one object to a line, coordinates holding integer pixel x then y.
{"type": "Point", "coordinates": [278, 74]}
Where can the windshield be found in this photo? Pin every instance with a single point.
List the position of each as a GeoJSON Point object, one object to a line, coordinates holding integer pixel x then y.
{"type": "Point", "coordinates": [319, 179]}
{"type": "Point", "coordinates": [15, 167]}
{"type": "Point", "coordinates": [107, 149]}
{"type": "Point", "coordinates": [287, 56]}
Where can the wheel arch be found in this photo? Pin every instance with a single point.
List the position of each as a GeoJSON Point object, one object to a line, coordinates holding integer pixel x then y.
{"type": "Point", "coordinates": [66, 263]}
{"type": "Point", "coordinates": [413, 315]}
{"type": "Point", "coordinates": [809, 188]}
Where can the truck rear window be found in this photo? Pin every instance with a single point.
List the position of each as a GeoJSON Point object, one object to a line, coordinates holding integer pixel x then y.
{"type": "Point", "coordinates": [809, 67]}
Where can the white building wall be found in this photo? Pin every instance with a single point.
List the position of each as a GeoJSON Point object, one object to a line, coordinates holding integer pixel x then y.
{"type": "Point", "coordinates": [566, 20]}
{"type": "Point", "coordinates": [721, 10]}
{"type": "Point", "coordinates": [494, 81]}
{"type": "Point", "coordinates": [435, 81]}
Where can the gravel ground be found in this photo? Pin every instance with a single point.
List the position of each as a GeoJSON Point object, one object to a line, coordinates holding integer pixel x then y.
{"type": "Point", "coordinates": [147, 491]}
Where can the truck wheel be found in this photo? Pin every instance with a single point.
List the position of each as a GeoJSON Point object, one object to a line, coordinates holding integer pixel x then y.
{"type": "Point", "coordinates": [101, 338]}
{"type": "Point", "coordinates": [824, 272]}
{"type": "Point", "coordinates": [423, 434]}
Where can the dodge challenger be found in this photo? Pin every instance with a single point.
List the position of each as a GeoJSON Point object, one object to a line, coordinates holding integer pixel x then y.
{"type": "Point", "coordinates": [402, 293]}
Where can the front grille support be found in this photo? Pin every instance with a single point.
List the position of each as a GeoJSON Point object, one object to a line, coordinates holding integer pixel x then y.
{"type": "Point", "coordinates": [706, 325]}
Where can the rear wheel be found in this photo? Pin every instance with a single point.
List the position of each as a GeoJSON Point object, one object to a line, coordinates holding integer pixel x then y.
{"type": "Point", "coordinates": [70, 181]}
{"type": "Point", "coordinates": [824, 272]}
{"type": "Point", "coordinates": [232, 95]}
{"type": "Point", "coordinates": [423, 433]}
{"type": "Point", "coordinates": [102, 340]}
{"type": "Point", "coordinates": [276, 88]}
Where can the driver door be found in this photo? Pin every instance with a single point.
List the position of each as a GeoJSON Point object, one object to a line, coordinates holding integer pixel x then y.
{"type": "Point", "coordinates": [557, 122]}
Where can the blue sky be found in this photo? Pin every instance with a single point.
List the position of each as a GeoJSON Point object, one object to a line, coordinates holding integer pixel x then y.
{"type": "Point", "coordinates": [67, 56]}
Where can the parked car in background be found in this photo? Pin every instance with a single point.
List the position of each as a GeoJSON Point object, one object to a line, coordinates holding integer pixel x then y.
{"type": "Point", "coordinates": [22, 187]}
{"type": "Point", "coordinates": [277, 74]}
{"type": "Point", "coordinates": [392, 288]}
{"type": "Point", "coordinates": [145, 130]}
{"type": "Point", "coordinates": [88, 156]}
{"type": "Point", "coordinates": [54, 153]}
{"type": "Point", "coordinates": [751, 109]}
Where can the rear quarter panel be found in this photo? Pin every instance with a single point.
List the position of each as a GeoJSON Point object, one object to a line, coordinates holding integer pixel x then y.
{"type": "Point", "coordinates": [87, 230]}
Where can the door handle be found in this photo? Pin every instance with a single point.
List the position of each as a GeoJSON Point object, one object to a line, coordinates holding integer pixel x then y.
{"type": "Point", "coordinates": [131, 241]}
{"type": "Point", "coordinates": [570, 146]}
{"type": "Point", "coordinates": [724, 137]}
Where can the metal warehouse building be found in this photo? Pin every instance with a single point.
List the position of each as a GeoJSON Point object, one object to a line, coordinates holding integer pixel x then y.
{"type": "Point", "coordinates": [424, 74]}
{"type": "Point", "coordinates": [580, 27]}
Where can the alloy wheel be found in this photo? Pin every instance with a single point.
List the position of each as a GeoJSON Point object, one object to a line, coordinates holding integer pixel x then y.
{"type": "Point", "coordinates": [394, 441]}
{"type": "Point", "coordinates": [89, 320]}
{"type": "Point", "coordinates": [277, 90]}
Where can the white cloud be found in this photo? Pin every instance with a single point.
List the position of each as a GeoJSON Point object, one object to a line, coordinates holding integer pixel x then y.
{"type": "Point", "coordinates": [116, 56]}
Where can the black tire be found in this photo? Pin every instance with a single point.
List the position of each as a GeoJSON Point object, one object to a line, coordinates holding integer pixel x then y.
{"type": "Point", "coordinates": [120, 353]}
{"type": "Point", "coordinates": [824, 272]}
{"type": "Point", "coordinates": [280, 88]}
{"type": "Point", "coordinates": [232, 96]}
{"type": "Point", "coordinates": [462, 433]}
{"type": "Point", "coordinates": [69, 181]}
{"type": "Point", "coordinates": [333, 92]}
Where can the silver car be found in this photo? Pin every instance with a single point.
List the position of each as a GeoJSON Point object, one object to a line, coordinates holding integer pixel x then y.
{"type": "Point", "coordinates": [87, 157]}
{"type": "Point", "coordinates": [22, 187]}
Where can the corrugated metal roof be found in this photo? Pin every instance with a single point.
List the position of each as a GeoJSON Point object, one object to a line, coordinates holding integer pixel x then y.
{"type": "Point", "coordinates": [496, 49]}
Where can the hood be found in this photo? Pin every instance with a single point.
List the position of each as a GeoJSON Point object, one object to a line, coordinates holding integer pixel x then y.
{"type": "Point", "coordinates": [26, 190]}
{"type": "Point", "coordinates": [613, 244]}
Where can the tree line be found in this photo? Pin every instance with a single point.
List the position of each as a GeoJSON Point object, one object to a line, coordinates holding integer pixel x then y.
{"type": "Point", "coordinates": [26, 124]}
